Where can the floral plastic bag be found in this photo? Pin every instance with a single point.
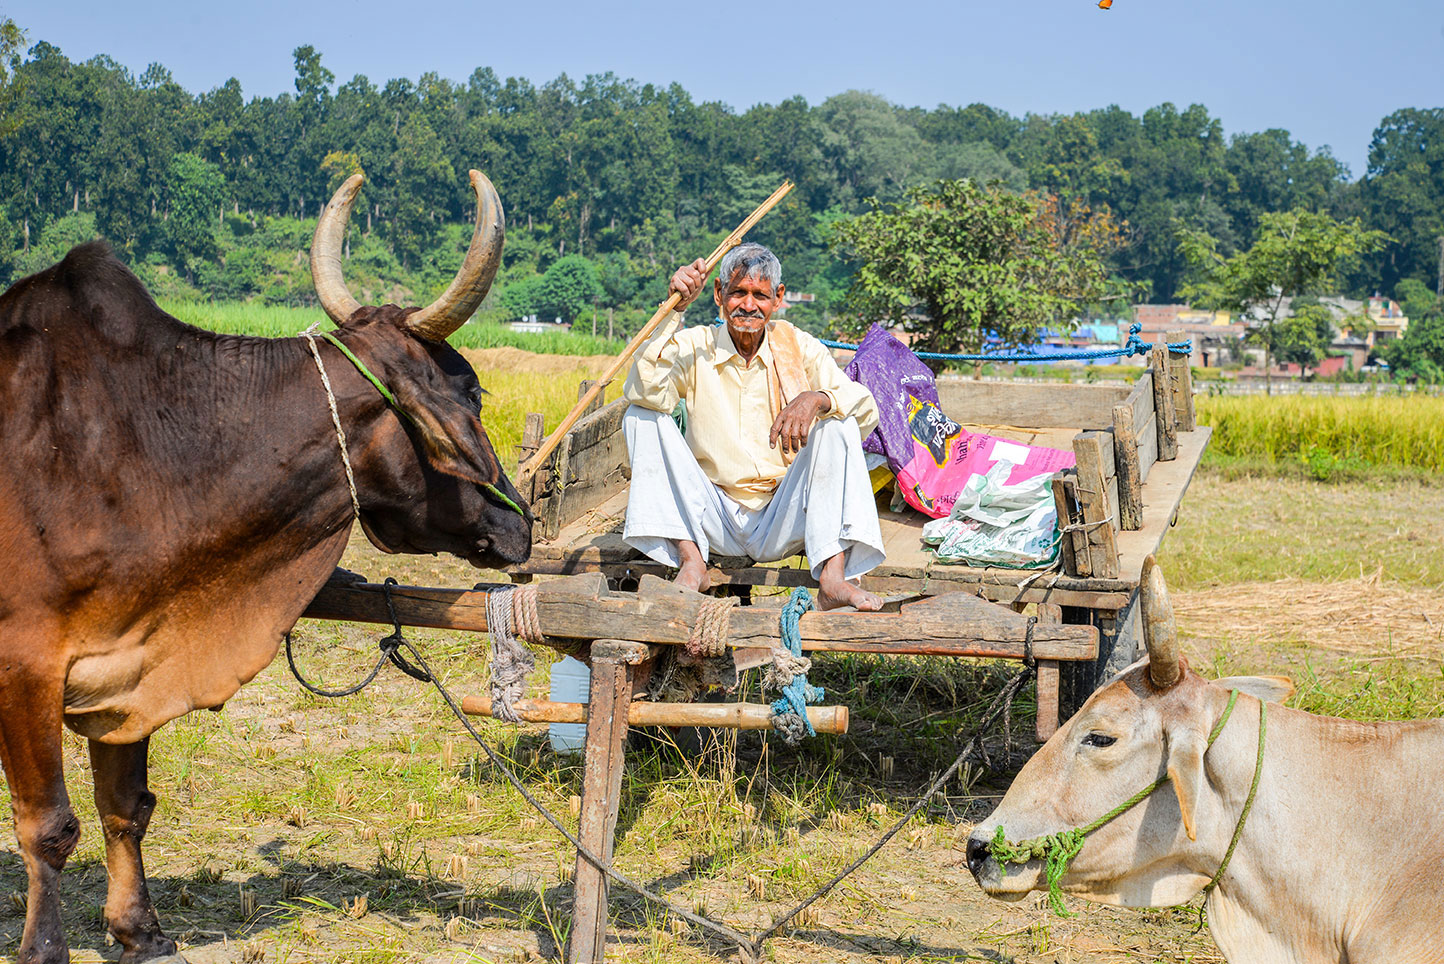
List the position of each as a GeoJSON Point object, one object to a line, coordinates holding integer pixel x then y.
{"type": "Point", "coordinates": [995, 522]}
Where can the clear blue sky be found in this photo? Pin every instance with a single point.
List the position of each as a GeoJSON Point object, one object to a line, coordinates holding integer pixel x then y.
{"type": "Point", "coordinates": [1325, 70]}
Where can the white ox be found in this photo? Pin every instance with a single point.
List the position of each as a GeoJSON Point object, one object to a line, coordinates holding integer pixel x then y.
{"type": "Point", "coordinates": [1340, 857]}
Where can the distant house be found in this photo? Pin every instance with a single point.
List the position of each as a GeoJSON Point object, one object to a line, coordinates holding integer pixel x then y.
{"type": "Point", "coordinates": [790, 298]}
{"type": "Point", "coordinates": [1353, 343]}
{"type": "Point", "coordinates": [1212, 332]}
{"type": "Point", "coordinates": [1388, 319]}
{"type": "Point", "coordinates": [532, 325]}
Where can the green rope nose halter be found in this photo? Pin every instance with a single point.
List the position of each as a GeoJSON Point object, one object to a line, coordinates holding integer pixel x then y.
{"type": "Point", "coordinates": [1057, 850]}
{"type": "Point", "coordinates": [395, 405]}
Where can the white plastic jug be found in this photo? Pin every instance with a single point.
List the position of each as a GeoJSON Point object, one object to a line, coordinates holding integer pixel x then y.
{"type": "Point", "coordinates": [571, 683]}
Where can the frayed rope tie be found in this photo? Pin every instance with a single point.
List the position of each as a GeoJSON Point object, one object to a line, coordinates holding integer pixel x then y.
{"type": "Point", "coordinates": [511, 611]}
{"type": "Point", "coordinates": [789, 674]}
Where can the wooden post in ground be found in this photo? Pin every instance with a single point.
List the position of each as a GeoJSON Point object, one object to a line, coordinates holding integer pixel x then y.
{"type": "Point", "coordinates": [613, 662]}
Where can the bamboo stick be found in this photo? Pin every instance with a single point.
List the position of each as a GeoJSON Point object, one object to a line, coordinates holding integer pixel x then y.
{"type": "Point", "coordinates": [737, 716]}
{"type": "Point", "coordinates": [534, 464]}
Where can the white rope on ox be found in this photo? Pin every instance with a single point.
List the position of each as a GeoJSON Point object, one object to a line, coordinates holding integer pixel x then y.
{"type": "Point", "coordinates": [310, 335]}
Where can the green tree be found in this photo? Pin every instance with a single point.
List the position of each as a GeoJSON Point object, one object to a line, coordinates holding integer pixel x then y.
{"type": "Point", "coordinates": [12, 41]}
{"type": "Point", "coordinates": [424, 181]}
{"type": "Point", "coordinates": [194, 191]}
{"type": "Point", "coordinates": [1303, 337]}
{"type": "Point", "coordinates": [872, 149]}
{"type": "Point", "coordinates": [568, 288]}
{"type": "Point", "coordinates": [959, 264]}
{"type": "Point", "coordinates": [1415, 298]}
{"type": "Point", "coordinates": [1296, 253]}
{"type": "Point", "coordinates": [1421, 351]}
{"type": "Point", "coordinates": [1403, 194]}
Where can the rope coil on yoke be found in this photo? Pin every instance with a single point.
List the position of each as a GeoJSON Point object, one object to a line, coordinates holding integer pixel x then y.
{"type": "Point", "coordinates": [390, 647]}
{"type": "Point", "coordinates": [709, 634]}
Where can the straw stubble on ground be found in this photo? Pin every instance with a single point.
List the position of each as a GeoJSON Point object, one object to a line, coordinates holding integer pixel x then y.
{"type": "Point", "coordinates": [296, 829]}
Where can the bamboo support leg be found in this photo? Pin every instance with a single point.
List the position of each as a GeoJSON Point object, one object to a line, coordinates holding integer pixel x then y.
{"type": "Point", "coordinates": [613, 662]}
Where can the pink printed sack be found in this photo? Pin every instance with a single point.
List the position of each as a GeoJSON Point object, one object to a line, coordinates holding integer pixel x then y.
{"type": "Point", "coordinates": [945, 456]}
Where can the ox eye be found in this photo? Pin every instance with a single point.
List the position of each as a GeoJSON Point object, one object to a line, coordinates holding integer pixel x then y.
{"type": "Point", "coordinates": [1099, 740]}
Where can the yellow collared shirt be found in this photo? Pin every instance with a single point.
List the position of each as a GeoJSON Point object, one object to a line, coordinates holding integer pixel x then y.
{"type": "Point", "coordinates": [729, 409]}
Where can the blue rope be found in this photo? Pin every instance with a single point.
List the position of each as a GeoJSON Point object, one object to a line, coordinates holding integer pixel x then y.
{"type": "Point", "coordinates": [1133, 346]}
{"type": "Point", "coordinates": [799, 693]}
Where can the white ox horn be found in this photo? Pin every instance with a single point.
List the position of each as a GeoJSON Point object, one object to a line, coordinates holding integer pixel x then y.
{"type": "Point", "coordinates": [461, 298]}
{"type": "Point", "coordinates": [1160, 630]}
{"type": "Point", "coordinates": [326, 252]}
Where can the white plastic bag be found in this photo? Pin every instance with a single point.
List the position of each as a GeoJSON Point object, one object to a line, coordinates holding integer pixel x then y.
{"type": "Point", "coordinates": [996, 524]}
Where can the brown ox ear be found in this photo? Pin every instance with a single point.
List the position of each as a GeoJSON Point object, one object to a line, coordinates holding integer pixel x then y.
{"type": "Point", "coordinates": [453, 438]}
{"type": "Point", "coordinates": [1267, 689]}
{"type": "Point", "coordinates": [1186, 747]}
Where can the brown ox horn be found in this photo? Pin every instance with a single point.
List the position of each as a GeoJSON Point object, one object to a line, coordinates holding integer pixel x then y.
{"type": "Point", "coordinates": [1160, 631]}
{"type": "Point", "coordinates": [326, 252]}
{"type": "Point", "coordinates": [457, 303]}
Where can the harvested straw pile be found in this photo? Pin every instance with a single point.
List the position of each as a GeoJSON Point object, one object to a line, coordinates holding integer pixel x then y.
{"type": "Point", "coordinates": [1367, 616]}
{"type": "Point", "coordinates": [516, 360]}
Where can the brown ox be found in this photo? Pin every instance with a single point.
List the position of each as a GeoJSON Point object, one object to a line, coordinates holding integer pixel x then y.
{"type": "Point", "coordinates": [1338, 859]}
{"type": "Point", "coordinates": [171, 499]}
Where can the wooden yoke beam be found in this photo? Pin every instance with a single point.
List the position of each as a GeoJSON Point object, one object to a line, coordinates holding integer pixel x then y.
{"type": "Point", "coordinates": [582, 608]}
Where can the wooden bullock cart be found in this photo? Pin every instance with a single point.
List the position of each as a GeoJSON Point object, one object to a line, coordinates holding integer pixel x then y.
{"type": "Point", "coordinates": [1137, 448]}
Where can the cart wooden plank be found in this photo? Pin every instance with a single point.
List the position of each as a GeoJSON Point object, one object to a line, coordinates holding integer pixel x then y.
{"type": "Point", "coordinates": [1161, 497]}
{"type": "Point", "coordinates": [1048, 405]}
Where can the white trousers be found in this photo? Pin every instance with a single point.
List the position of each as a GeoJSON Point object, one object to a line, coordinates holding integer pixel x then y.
{"type": "Point", "coordinates": [822, 506]}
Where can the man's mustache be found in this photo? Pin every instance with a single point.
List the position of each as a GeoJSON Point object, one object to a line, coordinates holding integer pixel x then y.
{"type": "Point", "coordinates": [748, 314]}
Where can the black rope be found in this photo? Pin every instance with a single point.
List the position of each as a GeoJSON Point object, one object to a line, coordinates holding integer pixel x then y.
{"type": "Point", "coordinates": [390, 647]}
{"type": "Point", "coordinates": [751, 947]}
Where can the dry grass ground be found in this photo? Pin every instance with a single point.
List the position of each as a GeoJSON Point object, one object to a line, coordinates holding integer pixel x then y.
{"type": "Point", "coordinates": [296, 829]}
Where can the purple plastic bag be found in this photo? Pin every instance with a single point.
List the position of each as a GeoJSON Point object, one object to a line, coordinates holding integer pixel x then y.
{"type": "Point", "coordinates": [888, 369]}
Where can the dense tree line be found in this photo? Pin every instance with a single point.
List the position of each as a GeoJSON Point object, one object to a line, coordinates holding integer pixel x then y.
{"type": "Point", "coordinates": [212, 192]}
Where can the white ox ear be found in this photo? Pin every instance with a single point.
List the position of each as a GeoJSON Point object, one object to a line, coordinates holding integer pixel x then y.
{"type": "Point", "coordinates": [1268, 689]}
{"type": "Point", "coordinates": [1186, 747]}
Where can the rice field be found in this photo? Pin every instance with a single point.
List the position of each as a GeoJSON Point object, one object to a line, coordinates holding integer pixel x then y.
{"type": "Point", "coordinates": [282, 321]}
{"type": "Point", "coordinates": [1325, 433]}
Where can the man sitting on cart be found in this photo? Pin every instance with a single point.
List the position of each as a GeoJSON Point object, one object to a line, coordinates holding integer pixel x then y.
{"type": "Point", "coordinates": [771, 463]}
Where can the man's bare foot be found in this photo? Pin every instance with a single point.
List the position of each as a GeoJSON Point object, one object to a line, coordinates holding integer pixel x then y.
{"type": "Point", "coordinates": [692, 573]}
{"type": "Point", "coordinates": [837, 594]}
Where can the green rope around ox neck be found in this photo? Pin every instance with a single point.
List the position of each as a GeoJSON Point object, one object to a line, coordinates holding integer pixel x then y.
{"type": "Point", "coordinates": [1057, 850]}
{"type": "Point", "coordinates": [396, 407]}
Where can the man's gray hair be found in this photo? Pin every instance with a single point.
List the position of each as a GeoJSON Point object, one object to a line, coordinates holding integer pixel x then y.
{"type": "Point", "coordinates": [754, 261]}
